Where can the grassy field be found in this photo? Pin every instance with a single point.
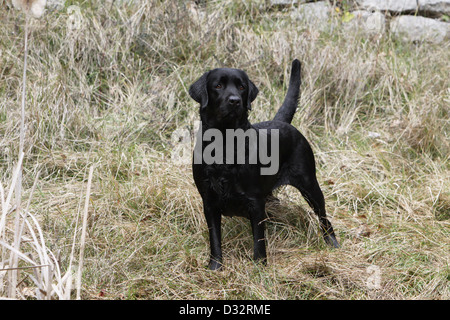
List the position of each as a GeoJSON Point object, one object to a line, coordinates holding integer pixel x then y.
{"type": "Point", "coordinates": [107, 86]}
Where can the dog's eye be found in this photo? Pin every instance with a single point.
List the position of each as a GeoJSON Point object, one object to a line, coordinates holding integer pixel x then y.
{"type": "Point", "coordinates": [241, 88]}
{"type": "Point", "coordinates": [218, 86]}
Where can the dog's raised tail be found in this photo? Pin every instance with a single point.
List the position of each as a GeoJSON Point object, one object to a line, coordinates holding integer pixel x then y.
{"type": "Point", "coordinates": [290, 103]}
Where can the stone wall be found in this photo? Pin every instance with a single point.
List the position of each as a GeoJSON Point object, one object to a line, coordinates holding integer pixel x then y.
{"type": "Point", "coordinates": [408, 20]}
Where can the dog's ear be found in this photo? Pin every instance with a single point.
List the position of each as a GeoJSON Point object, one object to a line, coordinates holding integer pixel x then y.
{"type": "Point", "coordinates": [198, 91]}
{"type": "Point", "coordinates": [252, 93]}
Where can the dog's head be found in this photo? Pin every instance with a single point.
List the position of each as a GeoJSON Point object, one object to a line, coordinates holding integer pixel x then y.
{"type": "Point", "coordinates": [225, 93]}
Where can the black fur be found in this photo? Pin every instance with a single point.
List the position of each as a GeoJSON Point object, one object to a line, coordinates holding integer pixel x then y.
{"type": "Point", "coordinates": [225, 97]}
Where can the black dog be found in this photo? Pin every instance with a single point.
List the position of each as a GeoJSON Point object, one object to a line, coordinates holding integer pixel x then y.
{"type": "Point", "coordinates": [229, 188]}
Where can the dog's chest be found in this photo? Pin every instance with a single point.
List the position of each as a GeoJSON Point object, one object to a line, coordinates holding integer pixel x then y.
{"type": "Point", "coordinates": [225, 180]}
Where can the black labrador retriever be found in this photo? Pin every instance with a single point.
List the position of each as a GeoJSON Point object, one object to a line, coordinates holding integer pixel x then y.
{"type": "Point", "coordinates": [230, 187]}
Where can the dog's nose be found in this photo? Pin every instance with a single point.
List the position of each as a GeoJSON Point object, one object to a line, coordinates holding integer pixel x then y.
{"type": "Point", "coordinates": [234, 100]}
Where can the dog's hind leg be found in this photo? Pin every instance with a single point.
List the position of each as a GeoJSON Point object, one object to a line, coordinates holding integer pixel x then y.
{"type": "Point", "coordinates": [310, 190]}
{"type": "Point", "coordinates": [257, 219]}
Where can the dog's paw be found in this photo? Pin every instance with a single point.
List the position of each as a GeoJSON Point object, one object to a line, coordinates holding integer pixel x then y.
{"type": "Point", "coordinates": [332, 241]}
{"type": "Point", "coordinates": [215, 265]}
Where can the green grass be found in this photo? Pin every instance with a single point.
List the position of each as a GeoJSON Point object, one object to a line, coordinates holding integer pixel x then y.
{"type": "Point", "coordinates": [112, 93]}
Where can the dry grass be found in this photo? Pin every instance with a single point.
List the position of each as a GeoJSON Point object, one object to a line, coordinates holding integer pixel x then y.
{"type": "Point", "coordinates": [109, 88]}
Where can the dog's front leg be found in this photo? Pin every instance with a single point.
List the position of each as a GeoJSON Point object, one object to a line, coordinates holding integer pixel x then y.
{"type": "Point", "coordinates": [213, 219]}
{"type": "Point", "coordinates": [257, 218]}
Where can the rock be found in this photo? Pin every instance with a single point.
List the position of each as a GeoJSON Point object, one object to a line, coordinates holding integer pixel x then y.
{"type": "Point", "coordinates": [395, 6]}
{"type": "Point", "coordinates": [369, 23]}
{"type": "Point", "coordinates": [281, 3]}
{"type": "Point", "coordinates": [412, 28]}
{"type": "Point", "coordinates": [435, 7]}
{"type": "Point", "coordinates": [55, 4]}
{"type": "Point", "coordinates": [373, 135]}
{"type": "Point", "coordinates": [313, 14]}
{"type": "Point", "coordinates": [35, 8]}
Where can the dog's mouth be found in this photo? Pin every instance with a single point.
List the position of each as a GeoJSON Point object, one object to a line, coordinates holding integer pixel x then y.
{"type": "Point", "coordinates": [230, 113]}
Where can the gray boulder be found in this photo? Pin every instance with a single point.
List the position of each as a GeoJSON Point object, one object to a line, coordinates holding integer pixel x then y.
{"type": "Point", "coordinates": [366, 22]}
{"type": "Point", "coordinates": [396, 6]}
{"type": "Point", "coordinates": [435, 7]}
{"type": "Point", "coordinates": [55, 4]}
{"type": "Point", "coordinates": [281, 3]}
{"type": "Point", "coordinates": [411, 28]}
{"type": "Point", "coordinates": [314, 14]}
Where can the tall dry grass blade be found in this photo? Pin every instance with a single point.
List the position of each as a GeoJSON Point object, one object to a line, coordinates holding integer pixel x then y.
{"type": "Point", "coordinates": [24, 81]}
{"type": "Point", "coordinates": [20, 254]}
{"type": "Point", "coordinates": [5, 206]}
{"type": "Point", "coordinates": [33, 188]}
{"type": "Point", "coordinates": [83, 233]}
{"type": "Point", "coordinates": [44, 278]}
{"type": "Point", "coordinates": [49, 283]}
{"type": "Point", "coordinates": [6, 202]}
{"type": "Point", "coordinates": [68, 276]}
{"type": "Point", "coordinates": [41, 249]}
{"type": "Point", "coordinates": [13, 258]}
{"type": "Point", "coordinates": [20, 232]}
